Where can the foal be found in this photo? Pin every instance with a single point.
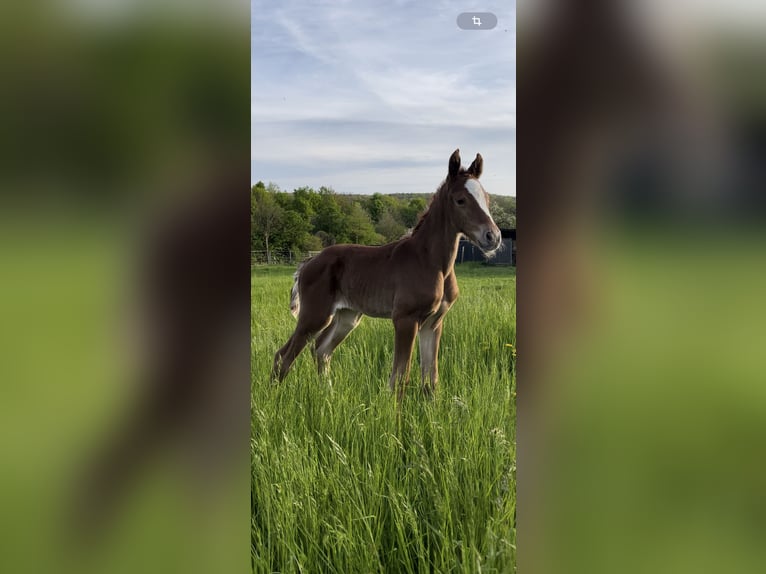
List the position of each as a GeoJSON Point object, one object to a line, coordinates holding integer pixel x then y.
{"type": "Point", "coordinates": [411, 281]}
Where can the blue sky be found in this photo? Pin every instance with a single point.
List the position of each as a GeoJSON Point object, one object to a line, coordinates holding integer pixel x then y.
{"type": "Point", "coordinates": [374, 96]}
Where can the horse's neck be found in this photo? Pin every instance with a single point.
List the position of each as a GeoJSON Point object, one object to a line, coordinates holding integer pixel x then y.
{"type": "Point", "coordinates": [437, 238]}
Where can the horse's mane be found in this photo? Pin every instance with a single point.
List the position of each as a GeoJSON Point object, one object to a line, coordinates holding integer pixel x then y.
{"type": "Point", "coordinates": [425, 213]}
{"type": "Point", "coordinates": [427, 210]}
{"type": "Point", "coordinates": [422, 217]}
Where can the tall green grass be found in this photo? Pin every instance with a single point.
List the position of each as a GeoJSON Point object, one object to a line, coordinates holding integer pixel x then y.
{"type": "Point", "coordinates": [345, 482]}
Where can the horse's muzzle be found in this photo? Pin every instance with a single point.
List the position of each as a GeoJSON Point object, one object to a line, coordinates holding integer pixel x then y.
{"type": "Point", "coordinates": [490, 240]}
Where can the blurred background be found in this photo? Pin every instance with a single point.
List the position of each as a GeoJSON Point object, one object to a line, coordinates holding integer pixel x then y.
{"type": "Point", "coordinates": [124, 286]}
{"type": "Point", "coordinates": [641, 320]}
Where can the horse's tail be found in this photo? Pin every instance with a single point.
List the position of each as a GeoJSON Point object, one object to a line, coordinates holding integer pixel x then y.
{"type": "Point", "coordinates": [295, 296]}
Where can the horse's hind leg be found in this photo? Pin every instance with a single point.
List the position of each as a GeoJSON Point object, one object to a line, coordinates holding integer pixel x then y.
{"type": "Point", "coordinates": [277, 373]}
{"type": "Point", "coordinates": [405, 331]}
{"type": "Point", "coordinates": [307, 328]}
{"type": "Point", "coordinates": [343, 323]}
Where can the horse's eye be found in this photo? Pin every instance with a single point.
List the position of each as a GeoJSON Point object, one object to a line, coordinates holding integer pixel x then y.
{"type": "Point", "coordinates": [460, 201]}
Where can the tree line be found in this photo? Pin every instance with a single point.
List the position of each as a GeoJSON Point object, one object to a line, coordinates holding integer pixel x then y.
{"type": "Point", "coordinates": [309, 220]}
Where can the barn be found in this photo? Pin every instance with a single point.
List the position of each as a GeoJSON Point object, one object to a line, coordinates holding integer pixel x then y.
{"type": "Point", "coordinates": [506, 255]}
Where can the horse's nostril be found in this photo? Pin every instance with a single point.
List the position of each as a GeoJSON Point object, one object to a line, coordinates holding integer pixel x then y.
{"type": "Point", "coordinates": [490, 236]}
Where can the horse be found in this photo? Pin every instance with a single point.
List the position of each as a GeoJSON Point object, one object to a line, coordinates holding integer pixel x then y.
{"type": "Point", "coordinates": [410, 281]}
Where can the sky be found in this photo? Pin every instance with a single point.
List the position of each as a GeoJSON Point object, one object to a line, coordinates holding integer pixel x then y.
{"type": "Point", "coordinates": [374, 96]}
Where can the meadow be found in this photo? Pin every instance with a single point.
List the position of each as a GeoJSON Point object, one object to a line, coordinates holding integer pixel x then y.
{"type": "Point", "coordinates": [343, 481]}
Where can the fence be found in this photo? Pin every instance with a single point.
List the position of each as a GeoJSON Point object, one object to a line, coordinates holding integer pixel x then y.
{"type": "Point", "coordinates": [276, 257]}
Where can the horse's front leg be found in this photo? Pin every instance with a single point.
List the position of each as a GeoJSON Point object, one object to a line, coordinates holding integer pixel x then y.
{"type": "Point", "coordinates": [405, 331]}
{"type": "Point", "coordinates": [430, 335]}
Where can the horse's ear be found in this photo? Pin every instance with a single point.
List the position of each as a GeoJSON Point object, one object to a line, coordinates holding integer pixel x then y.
{"type": "Point", "coordinates": [454, 163]}
{"type": "Point", "coordinates": [477, 166]}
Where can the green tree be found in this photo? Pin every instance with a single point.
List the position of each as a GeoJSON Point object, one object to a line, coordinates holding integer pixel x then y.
{"type": "Point", "coordinates": [503, 210]}
{"type": "Point", "coordinates": [293, 231]}
{"type": "Point", "coordinates": [502, 217]}
{"type": "Point", "coordinates": [305, 202]}
{"type": "Point", "coordinates": [410, 212]}
{"type": "Point", "coordinates": [329, 219]}
{"type": "Point", "coordinates": [359, 226]}
{"type": "Point", "coordinates": [389, 227]}
{"type": "Point", "coordinates": [375, 206]}
{"type": "Point", "coordinates": [312, 243]}
{"type": "Point", "coordinates": [266, 216]}
{"type": "Point", "coordinates": [273, 188]}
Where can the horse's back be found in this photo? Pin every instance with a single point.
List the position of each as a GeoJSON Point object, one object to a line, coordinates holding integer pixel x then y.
{"type": "Point", "coordinates": [351, 276]}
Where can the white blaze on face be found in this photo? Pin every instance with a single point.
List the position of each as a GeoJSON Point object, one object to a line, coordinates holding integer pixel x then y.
{"type": "Point", "coordinates": [473, 187]}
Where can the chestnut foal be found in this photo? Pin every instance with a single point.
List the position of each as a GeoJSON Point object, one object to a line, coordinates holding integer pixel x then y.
{"type": "Point", "coordinates": [411, 281]}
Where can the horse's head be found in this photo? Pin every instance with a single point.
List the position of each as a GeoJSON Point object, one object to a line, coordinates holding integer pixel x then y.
{"type": "Point", "coordinates": [469, 204]}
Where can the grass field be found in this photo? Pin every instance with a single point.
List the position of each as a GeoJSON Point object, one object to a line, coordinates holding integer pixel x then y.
{"type": "Point", "coordinates": [342, 482]}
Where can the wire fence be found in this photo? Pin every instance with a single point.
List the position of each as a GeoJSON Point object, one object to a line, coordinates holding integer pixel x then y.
{"type": "Point", "coordinates": [279, 257]}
